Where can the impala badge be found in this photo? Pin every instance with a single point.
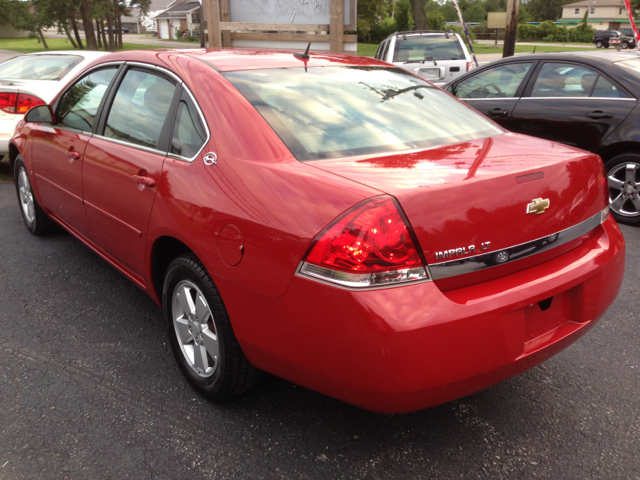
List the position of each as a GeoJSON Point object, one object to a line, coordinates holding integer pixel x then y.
{"type": "Point", "coordinates": [538, 205]}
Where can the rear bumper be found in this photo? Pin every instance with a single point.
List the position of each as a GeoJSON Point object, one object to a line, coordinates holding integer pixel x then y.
{"type": "Point", "coordinates": [412, 347]}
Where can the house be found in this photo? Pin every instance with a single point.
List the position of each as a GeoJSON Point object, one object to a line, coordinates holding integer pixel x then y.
{"type": "Point", "coordinates": [603, 14]}
{"type": "Point", "coordinates": [156, 7]}
{"type": "Point", "coordinates": [184, 16]}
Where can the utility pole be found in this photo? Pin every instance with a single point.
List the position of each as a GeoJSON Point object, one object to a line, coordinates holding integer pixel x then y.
{"type": "Point", "coordinates": [512, 28]}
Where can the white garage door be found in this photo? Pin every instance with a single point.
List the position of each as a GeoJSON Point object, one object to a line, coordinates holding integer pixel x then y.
{"type": "Point", "coordinates": [164, 29]}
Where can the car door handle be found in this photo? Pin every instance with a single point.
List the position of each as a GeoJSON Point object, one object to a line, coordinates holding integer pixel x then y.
{"type": "Point", "coordinates": [73, 155]}
{"type": "Point", "coordinates": [146, 181]}
{"type": "Point", "coordinates": [599, 114]}
{"type": "Point", "coordinates": [498, 112]}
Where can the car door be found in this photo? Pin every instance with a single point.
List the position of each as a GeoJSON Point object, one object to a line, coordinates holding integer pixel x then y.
{"type": "Point", "coordinates": [494, 91]}
{"type": "Point", "coordinates": [123, 164]}
{"type": "Point", "coordinates": [572, 104]}
{"type": "Point", "coordinates": [57, 150]}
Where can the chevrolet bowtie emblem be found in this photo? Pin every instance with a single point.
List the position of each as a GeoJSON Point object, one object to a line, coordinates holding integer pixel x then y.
{"type": "Point", "coordinates": [538, 205]}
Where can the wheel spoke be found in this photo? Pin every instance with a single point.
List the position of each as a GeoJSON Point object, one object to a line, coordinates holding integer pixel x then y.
{"type": "Point", "coordinates": [182, 330]}
{"type": "Point", "coordinates": [210, 341]}
{"type": "Point", "coordinates": [200, 358]}
{"type": "Point", "coordinates": [185, 300]}
{"type": "Point", "coordinates": [616, 205]}
{"type": "Point", "coordinates": [630, 173]}
{"type": "Point", "coordinates": [615, 183]}
{"type": "Point", "coordinates": [202, 310]}
{"type": "Point", "coordinates": [636, 202]}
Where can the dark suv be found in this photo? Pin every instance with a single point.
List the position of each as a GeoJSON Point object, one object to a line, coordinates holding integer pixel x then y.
{"type": "Point", "coordinates": [601, 39]}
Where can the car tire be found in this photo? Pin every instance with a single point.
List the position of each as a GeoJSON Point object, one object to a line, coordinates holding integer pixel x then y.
{"type": "Point", "coordinates": [625, 45]}
{"type": "Point", "coordinates": [200, 332]}
{"type": "Point", "coordinates": [35, 219]}
{"type": "Point", "coordinates": [623, 179]}
{"type": "Point", "coordinates": [598, 44]}
{"type": "Point", "coordinates": [606, 46]}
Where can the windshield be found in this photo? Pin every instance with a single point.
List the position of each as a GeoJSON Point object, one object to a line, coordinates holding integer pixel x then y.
{"type": "Point", "coordinates": [38, 67]}
{"type": "Point", "coordinates": [330, 112]}
{"type": "Point", "coordinates": [430, 47]}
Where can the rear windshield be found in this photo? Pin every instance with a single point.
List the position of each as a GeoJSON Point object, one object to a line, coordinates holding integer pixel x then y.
{"type": "Point", "coordinates": [38, 67]}
{"type": "Point", "coordinates": [427, 47]}
{"type": "Point", "coordinates": [331, 112]}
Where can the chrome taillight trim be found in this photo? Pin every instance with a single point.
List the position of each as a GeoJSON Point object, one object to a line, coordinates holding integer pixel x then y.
{"type": "Point", "coordinates": [462, 266]}
{"type": "Point", "coordinates": [362, 281]}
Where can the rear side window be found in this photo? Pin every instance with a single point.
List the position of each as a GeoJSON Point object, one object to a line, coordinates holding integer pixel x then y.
{"type": "Point", "coordinates": [330, 112]}
{"type": "Point", "coordinates": [38, 67]}
{"type": "Point", "coordinates": [570, 80]}
{"type": "Point", "coordinates": [188, 132]}
{"type": "Point", "coordinates": [140, 108]}
{"type": "Point", "coordinates": [427, 47]}
{"type": "Point", "coordinates": [79, 105]}
{"type": "Point", "coordinates": [502, 81]}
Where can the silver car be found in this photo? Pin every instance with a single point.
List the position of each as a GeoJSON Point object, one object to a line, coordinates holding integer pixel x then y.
{"type": "Point", "coordinates": [437, 56]}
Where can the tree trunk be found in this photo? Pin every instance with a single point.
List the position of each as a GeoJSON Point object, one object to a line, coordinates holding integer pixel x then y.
{"type": "Point", "coordinates": [419, 17]}
{"type": "Point", "coordinates": [90, 36]}
{"type": "Point", "coordinates": [104, 35]}
{"type": "Point", "coordinates": [110, 29]}
{"type": "Point", "coordinates": [44, 42]}
{"type": "Point", "coordinates": [74, 25]}
{"type": "Point", "coordinates": [99, 29]}
{"type": "Point", "coordinates": [118, 22]}
{"type": "Point", "coordinates": [66, 30]}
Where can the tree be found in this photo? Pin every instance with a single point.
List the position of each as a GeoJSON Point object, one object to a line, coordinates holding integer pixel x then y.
{"type": "Point", "coordinates": [419, 17]}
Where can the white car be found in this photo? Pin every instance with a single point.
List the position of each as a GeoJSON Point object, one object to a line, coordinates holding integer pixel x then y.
{"type": "Point", "coordinates": [35, 79]}
{"type": "Point", "coordinates": [437, 56]}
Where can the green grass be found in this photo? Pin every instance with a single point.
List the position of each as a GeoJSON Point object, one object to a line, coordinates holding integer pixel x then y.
{"type": "Point", "coordinates": [369, 49]}
{"type": "Point", "coordinates": [30, 45]}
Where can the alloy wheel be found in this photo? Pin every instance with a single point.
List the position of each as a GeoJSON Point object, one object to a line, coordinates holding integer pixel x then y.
{"type": "Point", "coordinates": [26, 196]}
{"type": "Point", "coordinates": [195, 329]}
{"type": "Point", "coordinates": [624, 189]}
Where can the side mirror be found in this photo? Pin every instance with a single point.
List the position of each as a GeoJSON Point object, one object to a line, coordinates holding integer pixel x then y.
{"type": "Point", "coordinates": [41, 114]}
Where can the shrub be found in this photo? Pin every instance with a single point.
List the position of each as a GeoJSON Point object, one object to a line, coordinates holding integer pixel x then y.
{"type": "Point", "coordinates": [527, 33]}
{"type": "Point", "coordinates": [547, 28]}
{"type": "Point", "coordinates": [548, 38]}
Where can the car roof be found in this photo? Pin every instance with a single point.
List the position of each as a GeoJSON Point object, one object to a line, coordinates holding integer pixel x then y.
{"type": "Point", "coordinates": [87, 54]}
{"type": "Point", "coordinates": [595, 57]}
{"type": "Point", "coordinates": [233, 59]}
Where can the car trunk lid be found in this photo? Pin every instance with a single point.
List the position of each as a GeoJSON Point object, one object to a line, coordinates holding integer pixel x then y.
{"type": "Point", "coordinates": [471, 200]}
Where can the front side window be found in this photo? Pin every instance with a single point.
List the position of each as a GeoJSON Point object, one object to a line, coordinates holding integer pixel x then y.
{"type": "Point", "coordinates": [427, 47]}
{"type": "Point", "coordinates": [330, 112]}
{"type": "Point", "coordinates": [38, 67]}
{"type": "Point", "coordinates": [140, 108]}
{"type": "Point", "coordinates": [498, 82]}
{"type": "Point", "coordinates": [188, 132]}
{"type": "Point", "coordinates": [79, 105]}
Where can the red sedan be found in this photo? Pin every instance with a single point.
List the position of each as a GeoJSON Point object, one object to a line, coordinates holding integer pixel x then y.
{"type": "Point", "coordinates": [330, 219]}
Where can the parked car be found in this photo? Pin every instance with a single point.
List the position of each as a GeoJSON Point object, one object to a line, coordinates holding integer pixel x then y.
{"type": "Point", "coordinates": [35, 79]}
{"type": "Point", "coordinates": [437, 56]}
{"type": "Point", "coordinates": [124, 30]}
{"type": "Point", "coordinates": [327, 218]}
{"type": "Point", "coordinates": [607, 38]}
{"type": "Point", "coordinates": [583, 99]}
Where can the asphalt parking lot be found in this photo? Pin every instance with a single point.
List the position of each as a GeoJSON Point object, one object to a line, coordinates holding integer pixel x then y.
{"type": "Point", "coordinates": [89, 389]}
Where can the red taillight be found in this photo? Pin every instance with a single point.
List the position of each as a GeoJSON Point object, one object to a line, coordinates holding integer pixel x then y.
{"type": "Point", "coordinates": [11, 102]}
{"type": "Point", "coordinates": [469, 66]}
{"type": "Point", "coordinates": [8, 102]}
{"type": "Point", "coordinates": [27, 102]}
{"type": "Point", "coordinates": [369, 245]}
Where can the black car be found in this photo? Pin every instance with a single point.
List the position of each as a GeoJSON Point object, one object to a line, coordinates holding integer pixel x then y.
{"type": "Point", "coordinates": [584, 99]}
{"type": "Point", "coordinates": [601, 39]}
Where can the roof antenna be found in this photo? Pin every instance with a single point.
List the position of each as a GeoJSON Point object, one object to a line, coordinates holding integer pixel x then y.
{"type": "Point", "coordinates": [305, 55]}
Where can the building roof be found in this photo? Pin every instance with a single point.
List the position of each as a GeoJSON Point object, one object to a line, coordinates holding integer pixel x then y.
{"type": "Point", "coordinates": [595, 3]}
{"type": "Point", "coordinates": [179, 10]}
